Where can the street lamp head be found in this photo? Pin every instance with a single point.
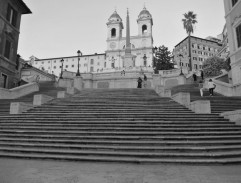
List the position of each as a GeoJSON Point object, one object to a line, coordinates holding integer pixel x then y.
{"type": "Point", "coordinates": [144, 57]}
{"type": "Point", "coordinates": [62, 60]}
{"type": "Point", "coordinates": [180, 55]}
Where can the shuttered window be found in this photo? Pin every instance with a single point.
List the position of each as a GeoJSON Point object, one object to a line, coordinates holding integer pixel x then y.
{"type": "Point", "coordinates": [7, 49]}
{"type": "Point", "coordinates": [234, 2]}
{"type": "Point", "coordinates": [12, 15]}
{"type": "Point", "coordinates": [238, 32]}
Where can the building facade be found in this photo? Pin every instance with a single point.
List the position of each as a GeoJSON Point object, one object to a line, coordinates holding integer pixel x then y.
{"type": "Point", "coordinates": [87, 63]}
{"type": "Point", "coordinates": [10, 18]}
{"type": "Point", "coordinates": [233, 23]}
{"type": "Point", "coordinates": [201, 49]}
{"type": "Point", "coordinates": [113, 58]}
{"type": "Point", "coordinates": [224, 50]}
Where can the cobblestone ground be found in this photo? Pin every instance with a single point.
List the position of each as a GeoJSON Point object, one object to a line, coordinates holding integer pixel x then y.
{"type": "Point", "coordinates": [34, 171]}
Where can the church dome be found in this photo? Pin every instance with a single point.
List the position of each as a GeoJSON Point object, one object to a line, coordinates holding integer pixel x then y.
{"type": "Point", "coordinates": [144, 14]}
{"type": "Point", "coordinates": [115, 17]}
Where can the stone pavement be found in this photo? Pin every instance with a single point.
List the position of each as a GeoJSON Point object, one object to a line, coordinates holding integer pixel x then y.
{"type": "Point", "coordinates": [39, 171]}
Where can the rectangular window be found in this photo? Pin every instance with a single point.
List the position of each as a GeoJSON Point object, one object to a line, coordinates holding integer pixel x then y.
{"type": "Point", "coordinates": [195, 66]}
{"type": "Point", "coordinates": [92, 61]}
{"type": "Point", "coordinates": [91, 69]}
{"type": "Point", "coordinates": [12, 15]}
{"type": "Point", "coordinates": [7, 49]}
{"type": "Point", "coordinates": [54, 67]}
{"type": "Point", "coordinates": [234, 2]}
{"type": "Point", "coordinates": [238, 33]}
{"type": "Point", "coordinates": [66, 66]}
{"type": "Point", "coordinates": [72, 65]}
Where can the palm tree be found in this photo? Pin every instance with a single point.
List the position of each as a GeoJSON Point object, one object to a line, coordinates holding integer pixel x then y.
{"type": "Point", "coordinates": [188, 22]}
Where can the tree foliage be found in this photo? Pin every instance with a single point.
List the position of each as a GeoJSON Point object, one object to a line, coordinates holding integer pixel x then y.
{"type": "Point", "coordinates": [162, 59]}
{"type": "Point", "coordinates": [213, 66]}
{"type": "Point", "coordinates": [188, 21]}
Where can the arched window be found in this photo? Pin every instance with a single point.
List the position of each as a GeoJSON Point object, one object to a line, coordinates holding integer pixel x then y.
{"type": "Point", "coordinates": [144, 29]}
{"type": "Point", "coordinates": [113, 32]}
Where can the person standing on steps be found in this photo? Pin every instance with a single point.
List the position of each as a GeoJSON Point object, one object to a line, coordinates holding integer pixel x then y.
{"type": "Point", "coordinates": [194, 77]}
{"type": "Point", "coordinates": [211, 87]}
{"type": "Point", "coordinates": [145, 82]}
{"type": "Point", "coordinates": [202, 74]}
{"type": "Point", "coordinates": [139, 81]}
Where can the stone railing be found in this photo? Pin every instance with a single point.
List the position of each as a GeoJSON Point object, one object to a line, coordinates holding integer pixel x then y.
{"type": "Point", "coordinates": [198, 106]}
{"type": "Point", "coordinates": [173, 72]}
{"type": "Point", "coordinates": [223, 88]}
{"type": "Point", "coordinates": [234, 116]}
{"type": "Point", "coordinates": [18, 91]}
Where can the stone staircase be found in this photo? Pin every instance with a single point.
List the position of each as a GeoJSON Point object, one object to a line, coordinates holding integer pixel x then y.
{"type": "Point", "coordinates": [46, 88]}
{"type": "Point", "coordinates": [120, 125]}
{"type": "Point", "coordinates": [219, 103]}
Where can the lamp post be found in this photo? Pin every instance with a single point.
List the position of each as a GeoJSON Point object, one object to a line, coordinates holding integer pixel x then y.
{"type": "Point", "coordinates": [180, 55]}
{"type": "Point", "coordinates": [61, 75]}
{"type": "Point", "coordinates": [144, 60]}
{"type": "Point", "coordinates": [79, 55]}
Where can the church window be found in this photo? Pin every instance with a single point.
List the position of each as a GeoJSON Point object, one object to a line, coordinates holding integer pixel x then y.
{"type": "Point", "coordinates": [113, 32]}
{"type": "Point", "coordinates": [144, 29]}
{"type": "Point", "coordinates": [113, 65]}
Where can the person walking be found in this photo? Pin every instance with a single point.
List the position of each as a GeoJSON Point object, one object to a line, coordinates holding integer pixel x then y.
{"type": "Point", "coordinates": [211, 87]}
{"type": "Point", "coordinates": [139, 81]}
{"type": "Point", "coordinates": [201, 87]}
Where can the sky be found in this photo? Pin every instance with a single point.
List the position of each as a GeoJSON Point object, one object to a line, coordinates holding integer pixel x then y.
{"type": "Point", "coordinates": [58, 28]}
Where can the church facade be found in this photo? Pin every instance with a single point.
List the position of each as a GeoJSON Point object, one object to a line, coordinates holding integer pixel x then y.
{"type": "Point", "coordinates": [113, 58]}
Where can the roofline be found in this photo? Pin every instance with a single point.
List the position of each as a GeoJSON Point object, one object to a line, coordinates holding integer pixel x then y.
{"type": "Point", "coordinates": [26, 8]}
{"type": "Point", "coordinates": [196, 38]}
{"type": "Point", "coordinates": [70, 57]}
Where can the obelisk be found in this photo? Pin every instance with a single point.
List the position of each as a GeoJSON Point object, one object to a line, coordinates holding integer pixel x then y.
{"type": "Point", "coordinates": [128, 59]}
